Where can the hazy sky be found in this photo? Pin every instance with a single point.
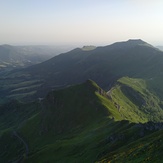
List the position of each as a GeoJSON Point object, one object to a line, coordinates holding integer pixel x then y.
{"type": "Point", "coordinates": [80, 22]}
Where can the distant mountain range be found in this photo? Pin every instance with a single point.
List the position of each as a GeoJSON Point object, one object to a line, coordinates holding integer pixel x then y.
{"type": "Point", "coordinates": [104, 65]}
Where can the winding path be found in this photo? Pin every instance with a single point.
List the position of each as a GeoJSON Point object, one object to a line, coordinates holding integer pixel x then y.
{"type": "Point", "coordinates": [25, 144]}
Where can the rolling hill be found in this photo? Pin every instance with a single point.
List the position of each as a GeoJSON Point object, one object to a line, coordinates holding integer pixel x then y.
{"type": "Point", "coordinates": [12, 57]}
{"type": "Point", "coordinates": [83, 123]}
{"type": "Point", "coordinates": [22, 56]}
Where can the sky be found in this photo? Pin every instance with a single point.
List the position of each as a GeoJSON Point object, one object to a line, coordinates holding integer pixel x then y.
{"type": "Point", "coordinates": [80, 22]}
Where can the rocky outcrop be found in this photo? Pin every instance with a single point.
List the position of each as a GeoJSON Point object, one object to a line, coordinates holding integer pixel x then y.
{"type": "Point", "coordinates": [150, 126]}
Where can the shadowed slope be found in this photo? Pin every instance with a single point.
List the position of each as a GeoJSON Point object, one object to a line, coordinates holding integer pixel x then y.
{"type": "Point", "coordinates": [104, 65]}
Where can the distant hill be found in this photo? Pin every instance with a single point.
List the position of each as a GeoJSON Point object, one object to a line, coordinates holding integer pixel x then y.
{"type": "Point", "coordinates": [24, 56]}
{"type": "Point", "coordinates": [83, 123]}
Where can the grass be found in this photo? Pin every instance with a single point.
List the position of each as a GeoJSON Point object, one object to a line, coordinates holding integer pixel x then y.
{"type": "Point", "coordinates": [146, 149]}
{"type": "Point", "coordinates": [82, 124]}
{"type": "Point", "coordinates": [137, 103]}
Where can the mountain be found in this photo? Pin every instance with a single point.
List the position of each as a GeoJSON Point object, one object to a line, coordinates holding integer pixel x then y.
{"type": "Point", "coordinates": [44, 117]}
{"type": "Point", "coordinates": [104, 65]}
{"type": "Point", "coordinates": [115, 116]}
{"type": "Point", "coordinates": [83, 123]}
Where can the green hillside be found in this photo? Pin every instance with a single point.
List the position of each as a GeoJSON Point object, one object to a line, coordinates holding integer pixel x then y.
{"type": "Point", "coordinates": [134, 99]}
{"type": "Point", "coordinates": [83, 123]}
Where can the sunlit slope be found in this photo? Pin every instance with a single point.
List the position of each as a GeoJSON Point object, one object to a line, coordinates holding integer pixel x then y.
{"type": "Point", "coordinates": [135, 101]}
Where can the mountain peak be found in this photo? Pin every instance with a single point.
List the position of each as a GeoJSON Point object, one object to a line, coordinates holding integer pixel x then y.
{"type": "Point", "coordinates": [129, 44]}
{"type": "Point", "coordinates": [137, 42]}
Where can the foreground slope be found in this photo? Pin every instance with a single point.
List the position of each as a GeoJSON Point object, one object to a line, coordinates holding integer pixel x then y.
{"type": "Point", "coordinates": [82, 123]}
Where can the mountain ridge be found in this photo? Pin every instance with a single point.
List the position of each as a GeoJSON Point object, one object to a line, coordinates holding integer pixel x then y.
{"type": "Point", "coordinates": [104, 65]}
{"type": "Point", "coordinates": [128, 44]}
{"type": "Point", "coordinates": [76, 124]}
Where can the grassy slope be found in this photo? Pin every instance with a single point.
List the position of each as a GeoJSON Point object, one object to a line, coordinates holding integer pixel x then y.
{"type": "Point", "coordinates": [71, 109]}
{"type": "Point", "coordinates": [146, 149]}
{"type": "Point", "coordinates": [14, 115]}
{"type": "Point", "coordinates": [83, 124]}
{"type": "Point", "coordinates": [136, 101]}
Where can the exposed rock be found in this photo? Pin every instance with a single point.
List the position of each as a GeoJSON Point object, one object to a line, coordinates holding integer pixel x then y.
{"type": "Point", "coordinates": [150, 126]}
